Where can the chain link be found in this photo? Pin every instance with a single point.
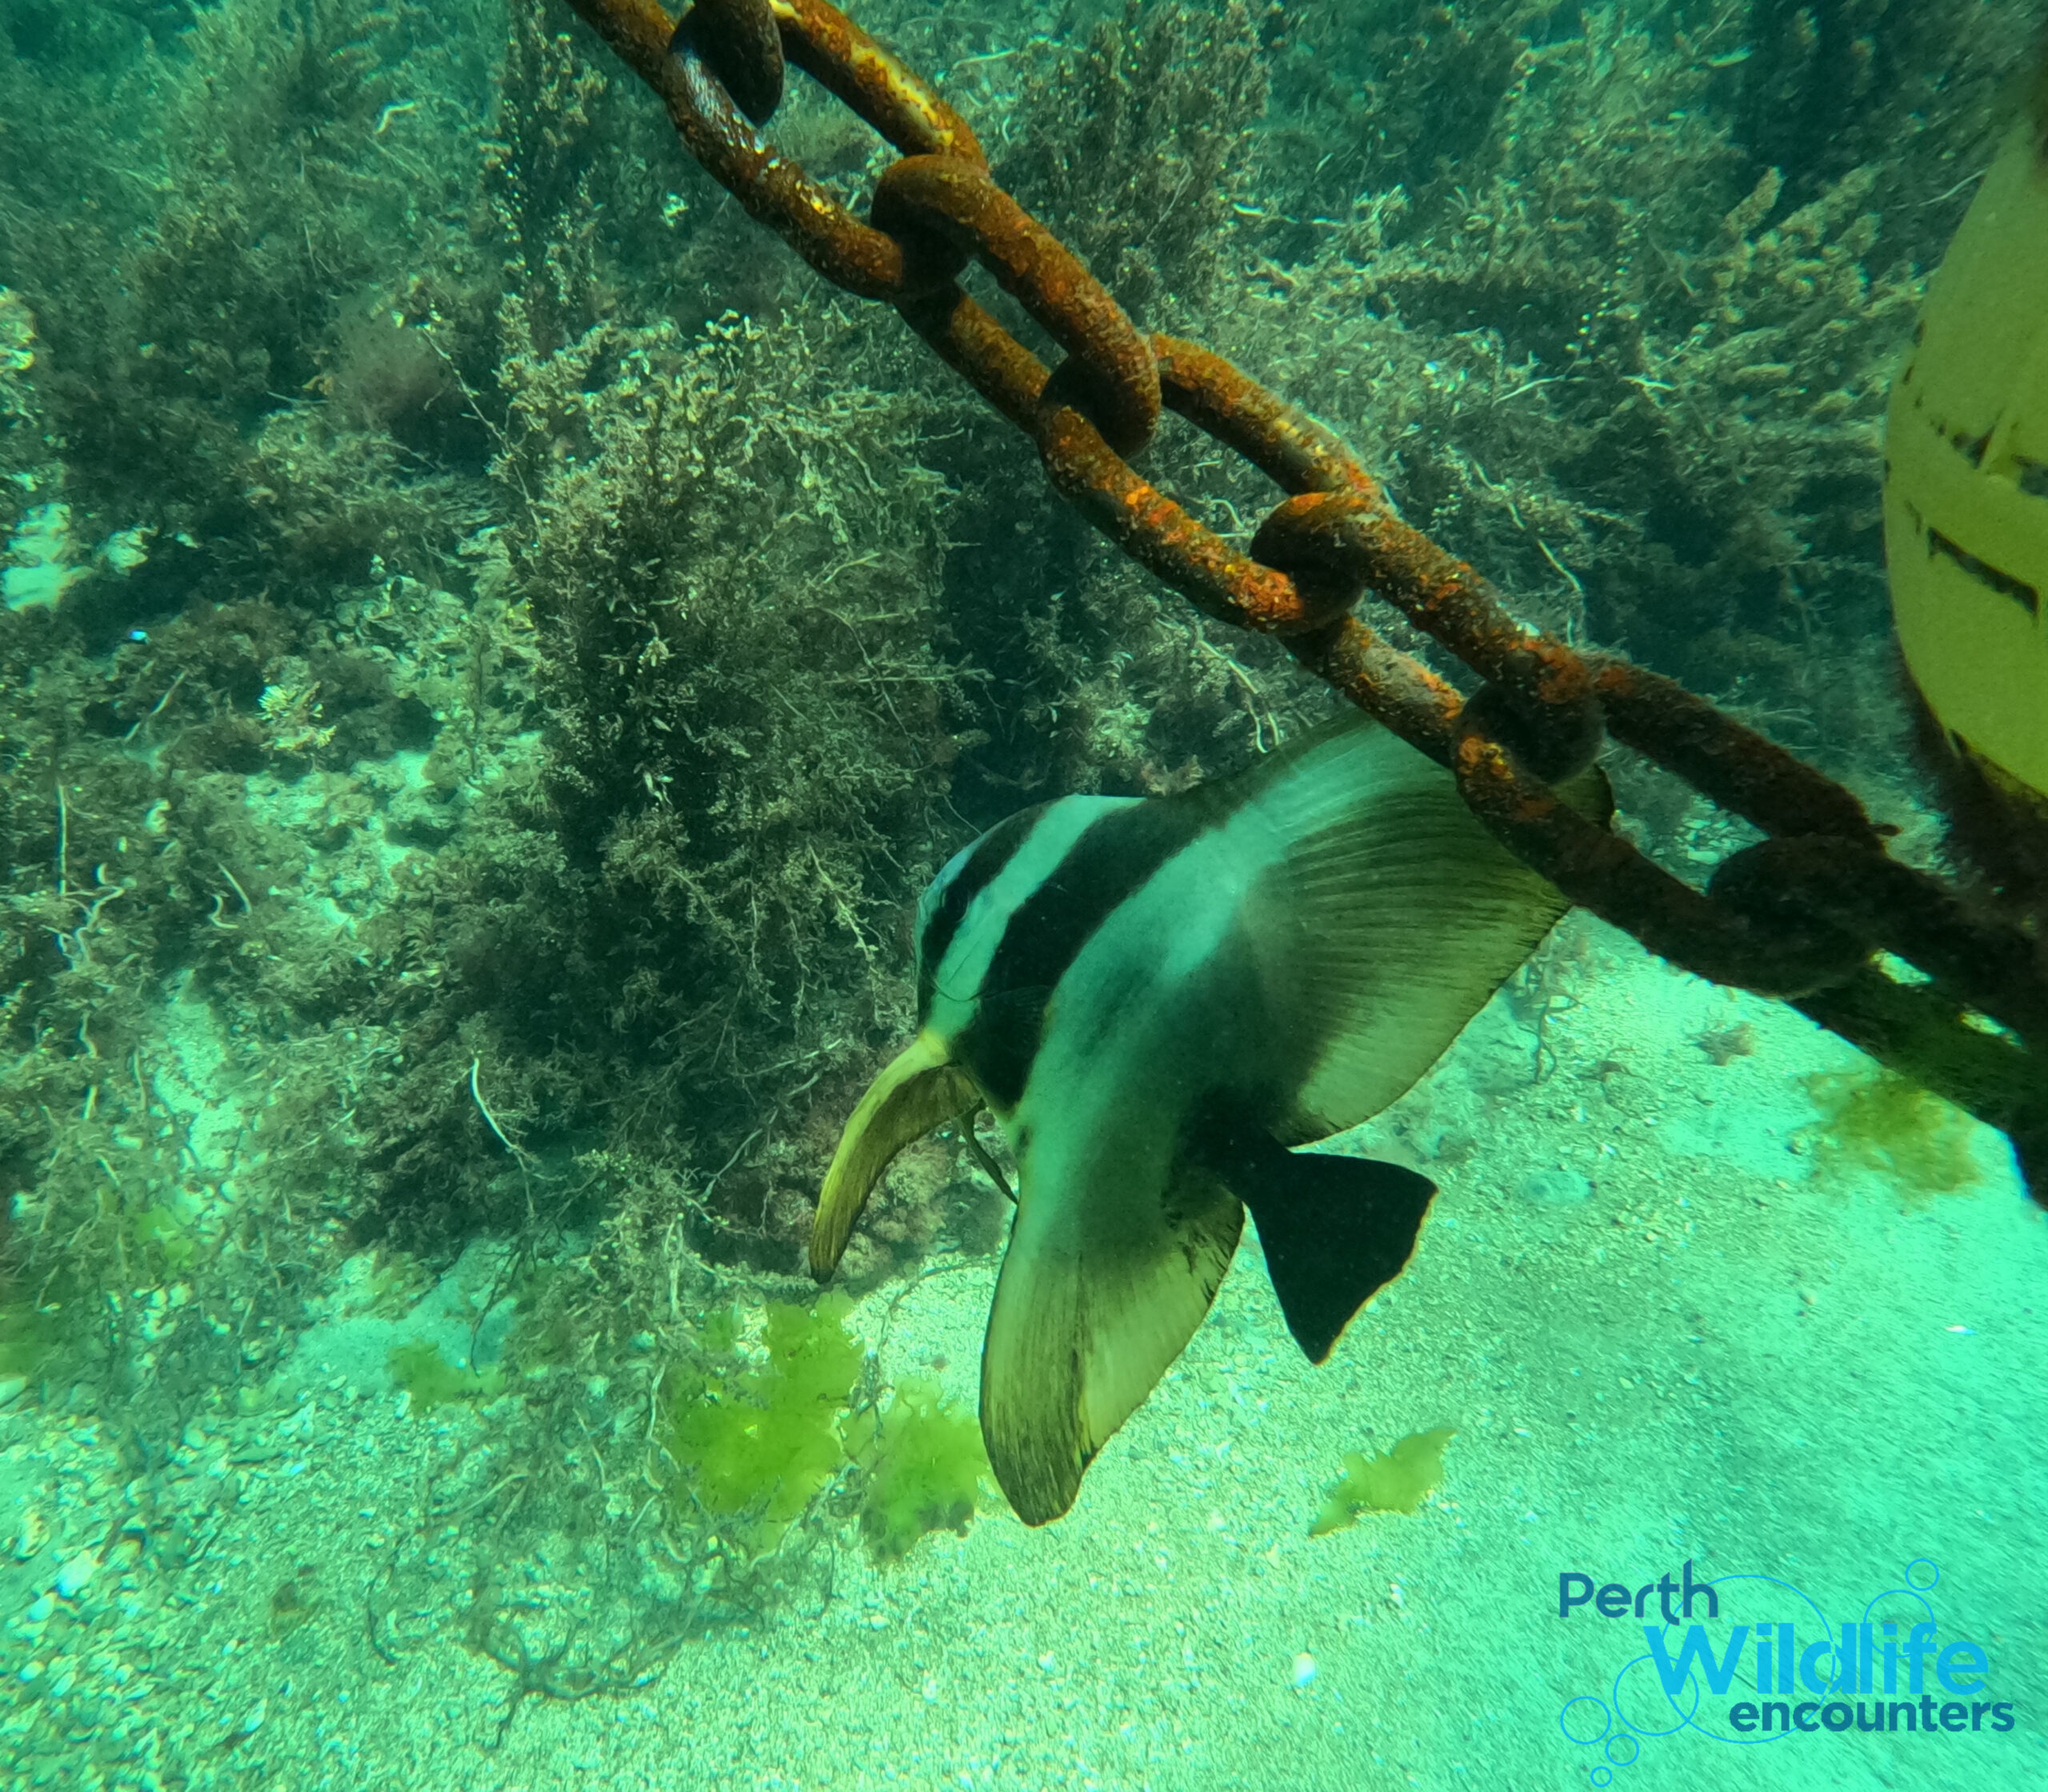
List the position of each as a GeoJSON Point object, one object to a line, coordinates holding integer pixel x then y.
{"type": "Point", "coordinates": [1802, 916]}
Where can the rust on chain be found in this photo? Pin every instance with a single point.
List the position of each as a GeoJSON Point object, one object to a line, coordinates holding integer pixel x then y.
{"type": "Point", "coordinates": [976, 346]}
{"type": "Point", "coordinates": [1419, 706]}
{"type": "Point", "coordinates": [955, 203]}
{"type": "Point", "coordinates": [1344, 545]}
{"type": "Point", "coordinates": [864, 77]}
{"type": "Point", "coordinates": [1802, 916]}
{"type": "Point", "coordinates": [1602, 872]}
{"type": "Point", "coordinates": [1735, 765]}
{"type": "Point", "coordinates": [773, 188]}
{"type": "Point", "coordinates": [1290, 448]}
{"type": "Point", "coordinates": [1339, 525]}
{"type": "Point", "coordinates": [1338, 536]}
{"type": "Point", "coordinates": [741, 40]}
{"type": "Point", "coordinates": [1161, 535]}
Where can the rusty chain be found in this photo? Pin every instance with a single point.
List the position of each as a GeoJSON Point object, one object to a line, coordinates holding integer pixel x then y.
{"type": "Point", "coordinates": [1803, 915]}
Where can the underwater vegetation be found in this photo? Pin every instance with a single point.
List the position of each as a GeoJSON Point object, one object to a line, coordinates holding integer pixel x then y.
{"type": "Point", "coordinates": [755, 1443]}
{"type": "Point", "coordinates": [1876, 1122]}
{"type": "Point", "coordinates": [503, 652]}
{"type": "Point", "coordinates": [430, 1380]}
{"type": "Point", "coordinates": [924, 1463]}
{"type": "Point", "coordinates": [1395, 1481]}
{"type": "Point", "coordinates": [27, 1332]}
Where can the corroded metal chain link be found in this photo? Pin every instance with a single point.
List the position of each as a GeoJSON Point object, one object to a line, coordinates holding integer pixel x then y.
{"type": "Point", "coordinates": [1803, 915]}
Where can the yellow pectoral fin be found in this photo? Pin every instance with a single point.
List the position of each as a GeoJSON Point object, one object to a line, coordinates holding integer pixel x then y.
{"type": "Point", "coordinates": [922, 1088]}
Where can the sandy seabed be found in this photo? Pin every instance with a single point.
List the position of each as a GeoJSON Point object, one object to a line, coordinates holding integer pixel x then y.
{"type": "Point", "coordinates": [1664, 1332]}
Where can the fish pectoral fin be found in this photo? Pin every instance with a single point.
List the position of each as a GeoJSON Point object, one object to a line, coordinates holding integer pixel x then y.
{"type": "Point", "coordinates": [1335, 1230]}
{"type": "Point", "coordinates": [1099, 1294]}
{"type": "Point", "coordinates": [920, 1089]}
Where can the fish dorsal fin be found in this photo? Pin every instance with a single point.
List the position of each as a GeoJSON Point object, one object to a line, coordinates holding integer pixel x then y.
{"type": "Point", "coordinates": [1104, 1282]}
{"type": "Point", "coordinates": [1335, 1230]}
{"type": "Point", "coordinates": [1388, 918]}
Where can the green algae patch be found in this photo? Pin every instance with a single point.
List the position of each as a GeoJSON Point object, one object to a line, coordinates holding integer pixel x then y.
{"type": "Point", "coordinates": [755, 1443]}
{"type": "Point", "coordinates": [1394, 1482]}
{"type": "Point", "coordinates": [161, 1239]}
{"type": "Point", "coordinates": [1878, 1123]}
{"type": "Point", "coordinates": [430, 1380]}
{"type": "Point", "coordinates": [925, 1463]}
{"type": "Point", "coordinates": [29, 1334]}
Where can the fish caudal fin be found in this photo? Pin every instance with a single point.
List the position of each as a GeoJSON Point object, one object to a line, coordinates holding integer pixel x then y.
{"type": "Point", "coordinates": [920, 1089]}
{"type": "Point", "coordinates": [1094, 1302]}
{"type": "Point", "coordinates": [1335, 1230]}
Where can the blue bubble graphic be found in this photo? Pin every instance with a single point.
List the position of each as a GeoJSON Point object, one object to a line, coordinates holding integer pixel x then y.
{"type": "Point", "coordinates": [1584, 1719]}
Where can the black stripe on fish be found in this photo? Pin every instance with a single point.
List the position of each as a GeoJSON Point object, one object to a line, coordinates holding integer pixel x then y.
{"type": "Point", "coordinates": [1111, 862]}
{"type": "Point", "coordinates": [985, 861]}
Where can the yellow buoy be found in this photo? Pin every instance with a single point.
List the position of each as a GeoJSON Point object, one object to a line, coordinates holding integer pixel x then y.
{"type": "Point", "coordinates": [1966, 474]}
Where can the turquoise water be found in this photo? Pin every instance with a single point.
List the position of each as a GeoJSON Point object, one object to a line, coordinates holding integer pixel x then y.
{"type": "Point", "coordinates": [493, 651]}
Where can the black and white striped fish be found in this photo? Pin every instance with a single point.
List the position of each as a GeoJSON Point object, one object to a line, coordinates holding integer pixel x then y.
{"type": "Point", "coordinates": [1158, 997]}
